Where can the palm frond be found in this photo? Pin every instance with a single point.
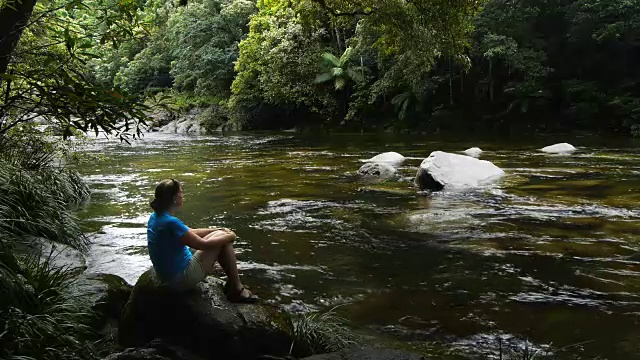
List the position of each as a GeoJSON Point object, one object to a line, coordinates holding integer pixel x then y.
{"type": "Point", "coordinates": [401, 103]}
{"type": "Point", "coordinates": [337, 72]}
{"type": "Point", "coordinates": [345, 56]}
{"type": "Point", "coordinates": [322, 78]}
{"type": "Point", "coordinates": [400, 98]}
{"type": "Point", "coordinates": [331, 59]}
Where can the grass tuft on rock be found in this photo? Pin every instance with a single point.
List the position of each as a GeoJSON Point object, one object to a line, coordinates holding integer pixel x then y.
{"type": "Point", "coordinates": [318, 333]}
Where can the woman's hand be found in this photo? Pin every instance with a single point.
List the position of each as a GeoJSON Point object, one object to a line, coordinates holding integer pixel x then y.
{"type": "Point", "coordinates": [214, 238]}
{"type": "Point", "coordinates": [204, 232]}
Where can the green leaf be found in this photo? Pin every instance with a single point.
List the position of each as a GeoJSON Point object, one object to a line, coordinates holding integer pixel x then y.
{"type": "Point", "coordinates": [90, 55]}
{"type": "Point", "coordinates": [9, 77]}
{"type": "Point", "coordinates": [400, 98]}
{"type": "Point", "coordinates": [346, 56]}
{"type": "Point", "coordinates": [337, 72]}
{"type": "Point", "coordinates": [323, 78]}
{"type": "Point", "coordinates": [331, 59]}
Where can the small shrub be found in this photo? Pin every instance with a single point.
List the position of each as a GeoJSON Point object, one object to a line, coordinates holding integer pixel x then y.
{"type": "Point", "coordinates": [38, 317]}
{"type": "Point", "coordinates": [317, 333]}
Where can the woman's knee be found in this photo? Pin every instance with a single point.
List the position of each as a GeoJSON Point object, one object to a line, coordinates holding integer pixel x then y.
{"type": "Point", "coordinates": [232, 236]}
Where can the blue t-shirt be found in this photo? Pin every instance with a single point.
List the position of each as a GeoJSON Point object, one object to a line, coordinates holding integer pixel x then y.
{"type": "Point", "coordinates": [169, 256]}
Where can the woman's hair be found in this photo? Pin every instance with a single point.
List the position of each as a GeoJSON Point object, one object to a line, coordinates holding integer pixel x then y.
{"type": "Point", "coordinates": [165, 194]}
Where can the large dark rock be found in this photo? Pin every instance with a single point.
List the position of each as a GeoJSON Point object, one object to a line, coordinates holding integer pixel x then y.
{"type": "Point", "coordinates": [201, 320]}
{"type": "Point", "coordinates": [368, 353]}
{"type": "Point", "coordinates": [160, 117]}
{"type": "Point", "coordinates": [156, 350]}
{"type": "Point", "coordinates": [106, 294]}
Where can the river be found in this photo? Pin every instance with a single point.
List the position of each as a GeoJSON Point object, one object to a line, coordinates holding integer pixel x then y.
{"type": "Point", "coordinates": [547, 259]}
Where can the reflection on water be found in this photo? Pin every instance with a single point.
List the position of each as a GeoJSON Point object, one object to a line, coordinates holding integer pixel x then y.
{"type": "Point", "coordinates": [544, 262]}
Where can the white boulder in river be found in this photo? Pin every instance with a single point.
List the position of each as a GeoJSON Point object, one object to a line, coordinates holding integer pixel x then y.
{"type": "Point", "coordinates": [391, 158]}
{"type": "Point", "coordinates": [377, 171]}
{"type": "Point", "coordinates": [473, 152]}
{"type": "Point", "coordinates": [562, 148]}
{"type": "Point", "coordinates": [445, 170]}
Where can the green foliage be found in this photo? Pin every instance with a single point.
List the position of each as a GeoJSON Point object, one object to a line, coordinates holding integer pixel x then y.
{"type": "Point", "coordinates": [338, 70]}
{"type": "Point", "coordinates": [190, 48]}
{"type": "Point", "coordinates": [147, 70]}
{"type": "Point", "coordinates": [402, 102]}
{"type": "Point", "coordinates": [183, 101]}
{"type": "Point", "coordinates": [410, 38]}
{"type": "Point", "coordinates": [35, 203]}
{"type": "Point", "coordinates": [606, 20]}
{"type": "Point", "coordinates": [204, 42]}
{"type": "Point", "coordinates": [214, 116]}
{"type": "Point", "coordinates": [391, 61]}
{"type": "Point", "coordinates": [318, 333]}
{"type": "Point", "coordinates": [47, 77]}
{"type": "Point", "coordinates": [572, 60]}
{"type": "Point", "coordinates": [38, 318]}
{"type": "Point", "coordinates": [277, 62]}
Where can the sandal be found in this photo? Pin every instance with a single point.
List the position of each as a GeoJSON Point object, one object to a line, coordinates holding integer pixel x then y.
{"type": "Point", "coordinates": [238, 297]}
{"type": "Point", "coordinates": [226, 288]}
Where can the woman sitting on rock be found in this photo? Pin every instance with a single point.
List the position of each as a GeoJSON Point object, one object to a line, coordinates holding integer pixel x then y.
{"type": "Point", "coordinates": [168, 238]}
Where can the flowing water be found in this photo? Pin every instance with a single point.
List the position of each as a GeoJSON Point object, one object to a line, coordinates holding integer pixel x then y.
{"type": "Point", "coordinates": [544, 261]}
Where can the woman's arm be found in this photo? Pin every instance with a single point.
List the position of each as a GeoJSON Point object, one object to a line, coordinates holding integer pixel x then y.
{"type": "Point", "coordinates": [218, 238]}
{"type": "Point", "coordinates": [204, 232]}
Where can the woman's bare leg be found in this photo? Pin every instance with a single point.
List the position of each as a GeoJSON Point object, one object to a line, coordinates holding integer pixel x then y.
{"type": "Point", "coordinates": [226, 256]}
{"type": "Point", "coordinates": [227, 259]}
{"type": "Point", "coordinates": [209, 257]}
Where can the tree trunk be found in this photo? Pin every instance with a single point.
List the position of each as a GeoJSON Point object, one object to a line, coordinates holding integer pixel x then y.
{"type": "Point", "coordinates": [491, 80]}
{"type": "Point", "coordinates": [12, 24]}
{"type": "Point", "coordinates": [346, 102]}
{"type": "Point", "coordinates": [337, 38]}
{"type": "Point", "coordinates": [450, 83]}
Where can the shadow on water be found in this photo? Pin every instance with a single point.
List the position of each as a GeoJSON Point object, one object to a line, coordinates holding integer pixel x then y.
{"type": "Point", "coordinates": [547, 259]}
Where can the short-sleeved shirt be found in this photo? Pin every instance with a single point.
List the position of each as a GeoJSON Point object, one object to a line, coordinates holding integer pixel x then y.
{"type": "Point", "coordinates": [168, 254]}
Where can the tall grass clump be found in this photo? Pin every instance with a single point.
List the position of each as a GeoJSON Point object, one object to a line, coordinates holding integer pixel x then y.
{"type": "Point", "coordinates": [38, 318]}
{"type": "Point", "coordinates": [318, 333]}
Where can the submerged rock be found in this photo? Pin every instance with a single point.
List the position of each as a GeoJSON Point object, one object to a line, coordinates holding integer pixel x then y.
{"type": "Point", "coordinates": [368, 353]}
{"type": "Point", "coordinates": [473, 152]}
{"type": "Point", "coordinates": [391, 158]}
{"type": "Point", "coordinates": [445, 170]}
{"type": "Point", "coordinates": [201, 320]}
{"type": "Point", "coordinates": [59, 255]}
{"type": "Point", "coordinates": [562, 148]}
{"type": "Point", "coordinates": [377, 171]}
